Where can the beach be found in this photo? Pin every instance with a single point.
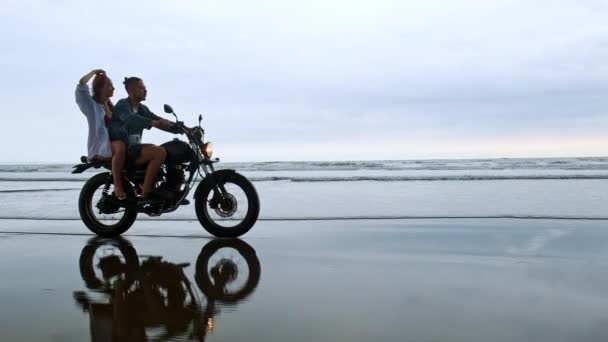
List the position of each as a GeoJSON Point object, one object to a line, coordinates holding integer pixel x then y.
{"type": "Point", "coordinates": [357, 280]}
{"type": "Point", "coordinates": [500, 250]}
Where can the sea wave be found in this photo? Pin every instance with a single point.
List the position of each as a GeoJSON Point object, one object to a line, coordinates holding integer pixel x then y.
{"type": "Point", "coordinates": [591, 163]}
{"type": "Point", "coordinates": [596, 163]}
{"type": "Point", "coordinates": [426, 178]}
{"type": "Point", "coordinates": [296, 179]}
{"type": "Point", "coordinates": [340, 218]}
{"type": "Point", "coordinates": [36, 190]}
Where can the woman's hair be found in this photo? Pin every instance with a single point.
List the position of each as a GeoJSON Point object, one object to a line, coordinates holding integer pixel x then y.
{"type": "Point", "coordinates": [129, 81]}
{"type": "Point", "coordinates": [99, 82]}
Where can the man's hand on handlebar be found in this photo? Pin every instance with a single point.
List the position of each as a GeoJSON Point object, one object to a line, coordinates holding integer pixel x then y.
{"type": "Point", "coordinates": [171, 127]}
{"type": "Point", "coordinates": [163, 124]}
{"type": "Point", "coordinates": [179, 127]}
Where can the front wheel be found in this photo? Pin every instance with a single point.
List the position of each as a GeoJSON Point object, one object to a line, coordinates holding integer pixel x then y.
{"type": "Point", "coordinates": [233, 211]}
{"type": "Point", "coordinates": [98, 213]}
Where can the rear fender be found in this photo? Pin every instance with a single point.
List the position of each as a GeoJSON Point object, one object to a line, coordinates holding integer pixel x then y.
{"type": "Point", "coordinates": [80, 168]}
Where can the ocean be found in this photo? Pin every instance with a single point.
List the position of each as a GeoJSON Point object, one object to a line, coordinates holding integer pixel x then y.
{"type": "Point", "coordinates": [574, 188]}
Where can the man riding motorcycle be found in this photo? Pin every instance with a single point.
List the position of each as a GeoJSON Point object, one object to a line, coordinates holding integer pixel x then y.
{"type": "Point", "coordinates": [129, 119]}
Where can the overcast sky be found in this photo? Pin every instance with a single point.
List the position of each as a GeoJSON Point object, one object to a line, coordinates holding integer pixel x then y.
{"type": "Point", "coordinates": [318, 79]}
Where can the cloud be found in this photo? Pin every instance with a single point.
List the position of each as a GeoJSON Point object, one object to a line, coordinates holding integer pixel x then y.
{"type": "Point", "coordinates": [332, 71]}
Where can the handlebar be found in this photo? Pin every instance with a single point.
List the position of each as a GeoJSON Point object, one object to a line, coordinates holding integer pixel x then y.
{"type": "Point", "coordinates": [179, 128]}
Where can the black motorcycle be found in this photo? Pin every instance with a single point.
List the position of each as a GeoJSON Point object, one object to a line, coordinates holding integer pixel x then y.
{"type": "Point", "coordinates": [226, 203]}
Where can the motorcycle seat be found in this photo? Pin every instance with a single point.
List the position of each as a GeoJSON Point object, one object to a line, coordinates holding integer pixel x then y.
{"type": "Point", "coordinates": [107, 164]}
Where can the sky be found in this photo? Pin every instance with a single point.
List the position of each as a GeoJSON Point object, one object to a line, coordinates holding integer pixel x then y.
{"type": "Point", "coordinates": [317, 79]}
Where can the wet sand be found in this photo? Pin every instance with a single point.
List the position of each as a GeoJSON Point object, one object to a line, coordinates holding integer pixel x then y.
{"type": "Point", "coordinates": [361, 280]}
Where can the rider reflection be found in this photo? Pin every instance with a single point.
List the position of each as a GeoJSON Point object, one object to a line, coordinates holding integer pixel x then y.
{"type": "Point", "coordinates": [154, 299]}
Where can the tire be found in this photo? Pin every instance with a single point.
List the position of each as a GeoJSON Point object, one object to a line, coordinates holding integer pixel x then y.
{"type": "Point", "coordinates": [253, 206]}
{"type": "Point", "coordinates": [85, 208]}
{"type": "Point", "coordinates": [207, 285]}
{"type": "Point", "coordinates": [87, 268]}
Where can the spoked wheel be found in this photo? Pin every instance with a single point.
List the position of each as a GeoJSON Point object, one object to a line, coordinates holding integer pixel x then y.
{"type": "Point", "coordinates": [230, 212]}
{"type": "Point", "coordinates": [98, 211]}
{"type": "Point", "coordinates": [104, 260]}
{"type": "Point", "coordinates": [227, 270]}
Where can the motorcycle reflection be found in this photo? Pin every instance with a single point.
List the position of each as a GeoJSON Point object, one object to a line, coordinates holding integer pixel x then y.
{"type": "Point", "coordinates": [154, 299]}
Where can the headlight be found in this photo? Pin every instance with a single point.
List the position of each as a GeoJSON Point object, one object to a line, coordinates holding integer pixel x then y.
{"type": "Point", "coordinates": [207, 149]}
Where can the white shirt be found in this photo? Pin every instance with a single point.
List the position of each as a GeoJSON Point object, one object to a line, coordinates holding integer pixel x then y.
{"type": "Point", "coordinates": [98, 142]}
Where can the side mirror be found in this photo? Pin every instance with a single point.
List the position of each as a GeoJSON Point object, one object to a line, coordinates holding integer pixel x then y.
{"type": "Point", "coordinates": [200, 118]}
{"type": "Point", "coordinates": [168, 109]}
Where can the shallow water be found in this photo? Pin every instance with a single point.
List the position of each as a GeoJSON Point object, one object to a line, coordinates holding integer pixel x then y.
{"type": "Point", "coordinates": [553, 187]}
{"type": "Point", "coordinates": [552, 198]}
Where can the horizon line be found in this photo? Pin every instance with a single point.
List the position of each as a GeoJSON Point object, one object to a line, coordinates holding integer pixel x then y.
{"type": "Point", "coordinates": [337, 160]}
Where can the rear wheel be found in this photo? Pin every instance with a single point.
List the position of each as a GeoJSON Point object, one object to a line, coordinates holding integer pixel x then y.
{"type": "Point", "coordinates": [98, 211]}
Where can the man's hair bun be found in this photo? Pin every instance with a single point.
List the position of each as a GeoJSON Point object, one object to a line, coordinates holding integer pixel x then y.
{"type": "Point", "coordinates": [130, 81]}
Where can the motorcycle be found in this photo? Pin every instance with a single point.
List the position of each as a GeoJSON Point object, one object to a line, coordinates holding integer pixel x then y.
{"type": "Point", "coordinates": [226, 202]}
{"type": "Point", "coordinates": [154, 300]}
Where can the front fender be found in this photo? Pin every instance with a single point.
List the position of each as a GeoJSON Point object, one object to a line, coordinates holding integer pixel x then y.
{"type": "Point", "coordinates": [212, 179]}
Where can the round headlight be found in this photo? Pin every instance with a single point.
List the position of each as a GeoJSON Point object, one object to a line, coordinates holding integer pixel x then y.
{"type": "Point", "coordinates": [207, 149]}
